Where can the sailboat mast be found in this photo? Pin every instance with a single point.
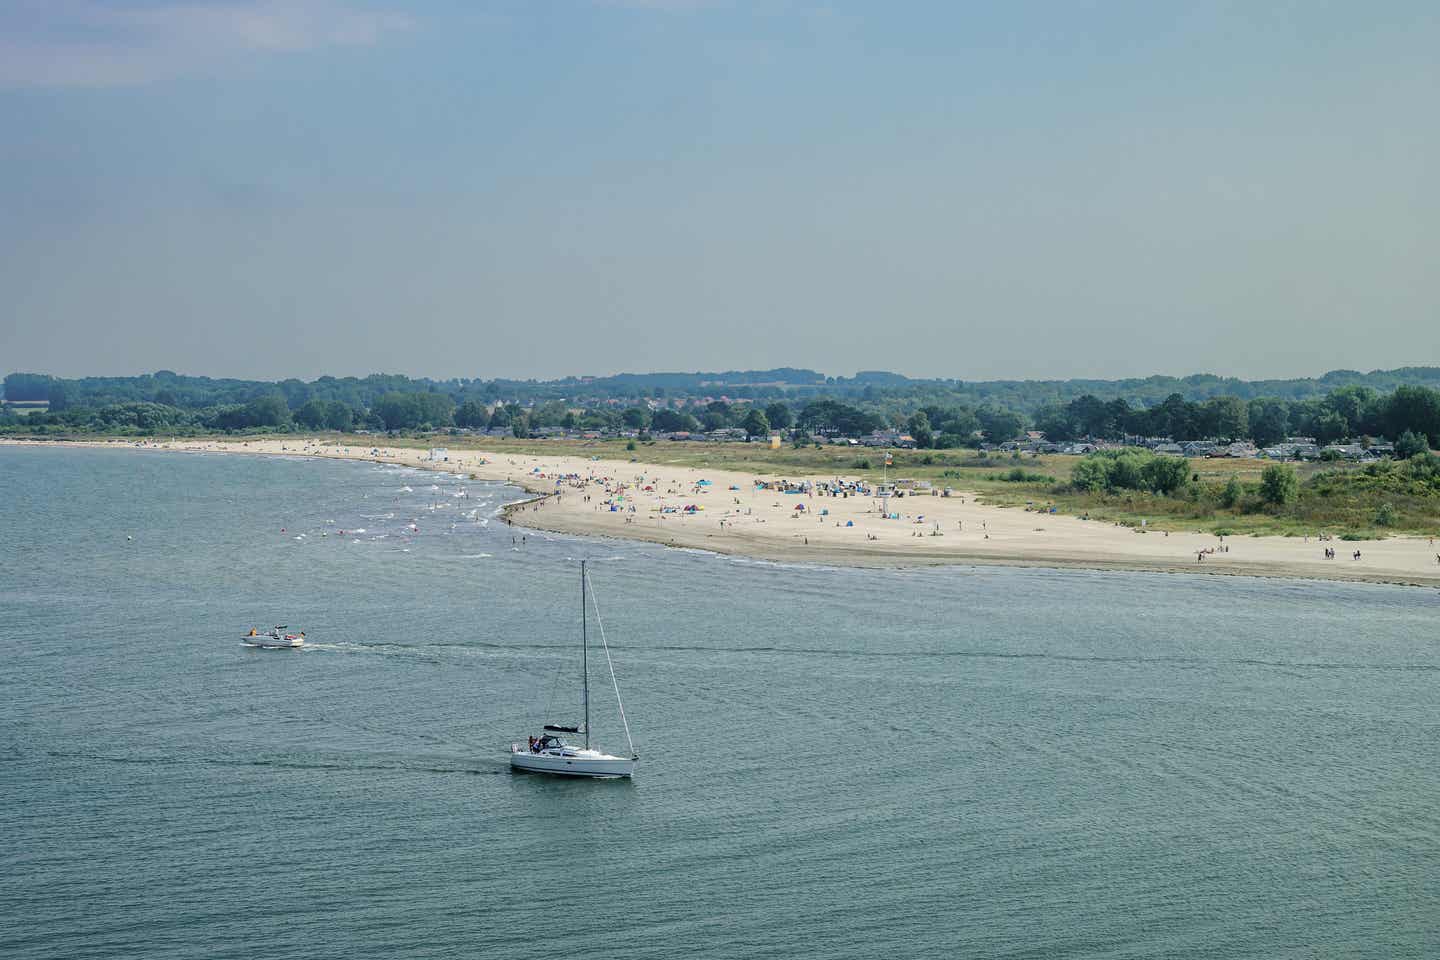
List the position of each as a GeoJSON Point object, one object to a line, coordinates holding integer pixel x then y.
{"type": "Point", "coordinates": [584, 654]}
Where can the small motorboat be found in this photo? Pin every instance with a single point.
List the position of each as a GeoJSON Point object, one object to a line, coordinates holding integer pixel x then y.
{"type": "Point", "coordinates": [274, 639]}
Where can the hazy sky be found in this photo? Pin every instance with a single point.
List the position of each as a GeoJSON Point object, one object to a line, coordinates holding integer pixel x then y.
{"type": "Point", "coordinates": [547, 187]}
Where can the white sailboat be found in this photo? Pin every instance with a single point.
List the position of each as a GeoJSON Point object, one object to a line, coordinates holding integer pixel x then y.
{"type": "Point", "coordinates": [550, 752]}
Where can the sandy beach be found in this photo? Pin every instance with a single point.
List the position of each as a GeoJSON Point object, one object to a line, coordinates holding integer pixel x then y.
{"type": "Point", "coordinates": [757, 516]}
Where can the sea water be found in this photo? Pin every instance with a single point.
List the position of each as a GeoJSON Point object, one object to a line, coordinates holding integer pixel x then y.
{"type": "Point", "coordinates": [955, 761]}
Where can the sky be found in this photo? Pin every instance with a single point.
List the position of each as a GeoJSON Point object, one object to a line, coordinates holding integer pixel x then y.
{"type": "Point", "coordinates": [541, 188]}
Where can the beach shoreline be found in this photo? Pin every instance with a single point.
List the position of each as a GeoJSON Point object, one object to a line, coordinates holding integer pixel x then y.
{"type": "Point", "coordinates": [794, 520]}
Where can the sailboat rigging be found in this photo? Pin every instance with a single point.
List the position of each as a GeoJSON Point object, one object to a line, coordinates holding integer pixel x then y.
{"type": "Point", "coordinates": [550, 753]}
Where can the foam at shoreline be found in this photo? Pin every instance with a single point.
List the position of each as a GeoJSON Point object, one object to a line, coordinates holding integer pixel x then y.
{"type": "Point", "coordinates": [608, 498]}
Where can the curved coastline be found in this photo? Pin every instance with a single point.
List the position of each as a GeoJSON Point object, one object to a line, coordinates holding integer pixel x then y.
{"type": "Point", "coordinates": [645, 502]}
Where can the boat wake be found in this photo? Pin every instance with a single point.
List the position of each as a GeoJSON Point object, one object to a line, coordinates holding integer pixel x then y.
{"type": "Point", "coordinates": [339, 765]}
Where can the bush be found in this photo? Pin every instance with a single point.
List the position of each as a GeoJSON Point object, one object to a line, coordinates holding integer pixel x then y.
{"type": "Point", "coordinates": [1020, 475]}
{"type": "Point", "coordinates": [1165, 474]}
{"type": "Point", "coordinates": [1385, 515]}
{"type": "Point", "coordinates": [1132, 469]}
{"type": "Point", "coordinates": [1232, 492]}
{"type": "Point", "coordinates": [630, 445]}
{"type": "Point", "coordinates": [1409, 444]}
{"type": "Point", "coordinates": [1279, 485]}
{"type": "Point", "coordinates": [1090, 475]}
{"type": "Point", "coordinates": [862, 463]}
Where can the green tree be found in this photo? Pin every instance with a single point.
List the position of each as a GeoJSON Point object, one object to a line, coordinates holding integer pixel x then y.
{"type": "Point", "coordinates": [779, 415]}
{"type": "Point", "coordinates": [472, 413]}
{"type": "Point", "coordinates": [269, 411]}
{"type": "Point", "coordinates": [1127, 471]}
{"type": "Point", "coordinates": [1091, 474]}
{"type": "Point", "coordinates": [1409, 408]}
{"type": "Point", "coordinates": [1269, 420]}
{"type": "Point", "coordinates": [552, 413]}
{"type": "Point", "coordinates": [313, 414]}
{"type": "Point", "coordinates": [756, 424]}
{"type": "Point", "coordinates": [1054, 421]}
{"type": "Point", "coordinates": [1279, 485]}
{"type": "Point", "coordinates": [1166, 474]}
{"type": "Point", "coordinates": [398, 411]}
{"type": "Point", "coordinates": [919, 428]}
{"type": "Point", "coordinates": [1226, 417]}
{"type": "Point", "coordinates": [339, 416]}
{"type": "Point", "coordinates": [1408, 444]}
{"type": "Point", "coordinates": [1357, 405]}
{"type": "Point", "coordinates": [999, 423]}
{"type": "Point", "coordinates": [28, 386]}
{"type": "Point", "coordinates": [598, 419]}
{"type": "Point", "coordinates": [670, 421]}
{"type": "Point", "coordinates": [59, 395]}
{"type": "Point", "coordinates": [713, 420]}
{"type": "Point", "coordinates": [435, 409]}
{"type": "Point", "coordinates": [1231, 494]}
{"type": "Point", "coordinates": [1331, 426]}
{"type": "Point", "coordinates": [636, 418]}
{"type": "Point", "coordinates": [958, 421]}
{"type": "Point", "coordinates": [837, 417]}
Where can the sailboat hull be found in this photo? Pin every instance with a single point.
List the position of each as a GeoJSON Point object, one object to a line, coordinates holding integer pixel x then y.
{"type": "Point", "coordinates": [571, 766]}
{"type": "Point", "coordinates": [552, 755]}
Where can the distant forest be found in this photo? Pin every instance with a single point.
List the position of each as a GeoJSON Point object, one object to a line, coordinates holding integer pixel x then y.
{"type": "Point", "coordinates": [1338, 405]}
{"type": "Point", "coordinates": [784, 383]}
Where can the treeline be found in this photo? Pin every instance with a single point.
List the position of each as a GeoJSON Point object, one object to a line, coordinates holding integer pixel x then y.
{"type": "Point", "coordinates": [167, 402]}
{"type": "Point", "coordinates": [1345, 412]}
{"type": "Point", "coordinates": [433, 410]}
{"type": "Point", "coordinates": [195, 393]}
{"type": "Point", "coordinates": [886, 393]}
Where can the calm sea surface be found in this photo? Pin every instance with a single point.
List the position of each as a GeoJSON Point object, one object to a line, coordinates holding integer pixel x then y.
{"type": "Point", "coordinates": [835, 763]}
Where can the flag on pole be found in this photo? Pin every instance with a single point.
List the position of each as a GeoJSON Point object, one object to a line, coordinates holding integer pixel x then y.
{"type": "Point", "coordinates": [889, 458]}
